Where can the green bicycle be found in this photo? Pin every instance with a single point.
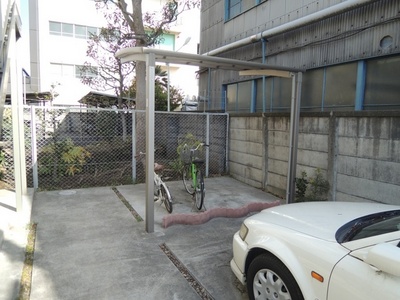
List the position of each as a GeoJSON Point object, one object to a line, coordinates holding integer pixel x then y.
{"type": "Point", "coordinates": [192, 174]}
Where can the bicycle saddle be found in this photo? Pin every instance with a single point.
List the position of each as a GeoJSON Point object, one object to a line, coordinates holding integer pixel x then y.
{"type": "Point", "coordinates": [158, 167]}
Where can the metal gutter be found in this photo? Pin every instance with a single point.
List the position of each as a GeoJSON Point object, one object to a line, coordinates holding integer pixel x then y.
{"type": "Point", "coordinates": [319, 15]}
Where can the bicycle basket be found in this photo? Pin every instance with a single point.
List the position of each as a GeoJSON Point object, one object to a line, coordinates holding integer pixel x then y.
{"type": "Point", "coordinates": [185, 154]}
{"type": "Point", "coordinates": [198, 155]}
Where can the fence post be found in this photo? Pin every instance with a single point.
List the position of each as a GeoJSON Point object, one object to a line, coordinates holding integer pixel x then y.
{"type": "Point", "coordinates": [227, 144]}
{"type": "Point", "coordinates": [134, 146]}
{"type": "Point", "coordinates": [34, 149]}
{"type": "Point", "coordinates": [207, 142]}
{"type": "Point", "coordinates": [294, 135]}
{"type": "Point", "coordinates": [333, 149]}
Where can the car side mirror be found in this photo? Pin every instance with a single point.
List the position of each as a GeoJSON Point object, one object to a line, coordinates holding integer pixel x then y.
{"type": "Point", "coordinates": [385, 257]}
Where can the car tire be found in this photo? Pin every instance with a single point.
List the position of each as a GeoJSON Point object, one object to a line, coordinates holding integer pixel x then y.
{"type": "Point", "coordinates": [269, 278]}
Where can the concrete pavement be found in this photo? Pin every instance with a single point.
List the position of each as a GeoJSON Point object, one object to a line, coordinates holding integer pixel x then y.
{"type": "Point", "coordinates": [90, 246]}
{"type": "Point", "coordinates": [13, 237]}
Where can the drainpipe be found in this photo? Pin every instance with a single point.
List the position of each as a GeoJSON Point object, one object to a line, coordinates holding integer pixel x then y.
{"type": "Point", "coordinates": [314, 17]}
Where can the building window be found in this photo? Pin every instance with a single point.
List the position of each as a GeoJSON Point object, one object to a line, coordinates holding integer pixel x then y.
{"type": "Point", "coordinates": [85, 32]}
{"type": "Point", "coordinates": [67, 29]}
{"type": "Point", "coordinates": [55, 28]}
{"type": "Point", "coordinates": [82, 71]}
{"type": "Point", "coordinates": [236, 7]}
{"type": "Point", "coordinates": [60, 71]}
{"type": "Point", "coordinates": [244, 96]}
{"type": "Point", "coordinates": [333, 88]}
{"type": "Point", "coordinates": [340, 87]}
{"type": "Point", "coordinates": [71, 30]}
{"type": "Point", "coordinates": [231, 96]}
{"type": "Point", "coordinates": [239, 97]}
{"type": "Point", "coordinates": [382, 89]}
{"type": "Point", "coordinates": [262, 99]}
{"type": "Point", "coordinates": [166, 42]}
{"type": "Point", "coordinates": [63, 29]}
{"type": "Point", "coordinates": [233, 8]}
{"type": "Point", "coordinates": [80, 31]}
{"type": "Point", "coordinates": [282, 94]}
{"type": "Point", "coordinates": [312, 90]}
{"type": "Point", "coordinates": [90, 31]}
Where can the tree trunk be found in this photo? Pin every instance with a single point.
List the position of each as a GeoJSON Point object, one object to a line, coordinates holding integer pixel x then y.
{"type": "Point", "coordinates": [138, 29]}
{"type": "Point", "coordinates": [141, 104]}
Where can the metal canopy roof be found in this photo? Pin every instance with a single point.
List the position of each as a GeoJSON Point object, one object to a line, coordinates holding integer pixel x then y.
{"type": "Point", "coordinates": [151, 56]}
{"type": "Point", "coordinates": [203, 61]}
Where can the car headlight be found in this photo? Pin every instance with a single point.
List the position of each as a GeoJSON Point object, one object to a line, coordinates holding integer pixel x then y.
{"type": "Point", "coordinates": [243, 231]}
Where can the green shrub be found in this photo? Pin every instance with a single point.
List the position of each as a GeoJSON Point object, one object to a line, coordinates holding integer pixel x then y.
{"type": "Point", "coordinates": [189, 140]}
{"type": "Point", "coordinates": [192, 142]}
{"type": "Point", "coordinates": [301, 187]}
{"type": "Point", "coordinates": [319, 186]}
{"type": "Point", "coordinates": [2, 164]}
{"type": "Point", "coordinates": [62, 158]}
{"type": "Point", "coordinates": [311, 188]}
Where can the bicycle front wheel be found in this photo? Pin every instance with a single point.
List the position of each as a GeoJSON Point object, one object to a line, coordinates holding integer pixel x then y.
{"type": "Point", "coordinates": [166, 198]}
{"type": "Point", "coordinates": [187, 179]}
{"type": "Point", "coordinates": [199, 189]}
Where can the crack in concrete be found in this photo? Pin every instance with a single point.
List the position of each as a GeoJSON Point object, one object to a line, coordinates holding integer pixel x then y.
{"type": "Point", "coordinates": [193, 282]}
{"type": "Point", "coordinates": [128, 205]}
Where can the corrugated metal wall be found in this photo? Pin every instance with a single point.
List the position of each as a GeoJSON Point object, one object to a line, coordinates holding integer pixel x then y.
{"type": "Point", "coordinates": [347, 37]}
{"type": "Point", "coordinates": [269, 14]}
{"type": "Point", "coordinates": [350, 36]}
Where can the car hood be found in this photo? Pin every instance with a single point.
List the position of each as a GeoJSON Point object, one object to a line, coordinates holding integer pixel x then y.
{"type": "Point", "coordinates": [317, 219]}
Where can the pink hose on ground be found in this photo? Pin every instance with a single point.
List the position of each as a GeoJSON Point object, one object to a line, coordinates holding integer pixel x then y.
{"type": "Point", "coordinates": [203, 217]}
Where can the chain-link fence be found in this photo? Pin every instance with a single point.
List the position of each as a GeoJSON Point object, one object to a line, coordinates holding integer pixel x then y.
{"type": "Point", "coordinates": [75, 148]}
{"type": "Point", "coordinates": [6, 152]}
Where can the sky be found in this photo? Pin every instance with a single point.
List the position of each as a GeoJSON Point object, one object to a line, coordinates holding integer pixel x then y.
{"type": "Point", "coordinates": [24, 9]}
{"type": "Point", "coordinates": [24, 13]}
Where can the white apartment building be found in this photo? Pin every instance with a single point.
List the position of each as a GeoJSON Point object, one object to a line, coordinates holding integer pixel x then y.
{"type": "Point", "coordinates": [59, 31]}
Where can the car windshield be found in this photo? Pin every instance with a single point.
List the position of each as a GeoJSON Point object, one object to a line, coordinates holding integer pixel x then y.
{"type": "Point", "coordinates": [369, 226]}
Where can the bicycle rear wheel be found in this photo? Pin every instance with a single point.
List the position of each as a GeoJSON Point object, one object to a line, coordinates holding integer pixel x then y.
{"type": "Point", "coordinates": [199, 197]}
{"type": "Point", "coordinates": [187, 179]}
{"type": "Point", "coordinates": [166, 198]}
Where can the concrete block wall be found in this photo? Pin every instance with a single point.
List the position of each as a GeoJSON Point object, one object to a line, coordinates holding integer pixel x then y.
{"type": "Point", "coordinates": [246, 146]}
{"type": "Point", "coordinates": [357, 152]}
{"type": "Point", "coordinates": [276, 138]}
{"type": "Point", "coordinates": [368, 160]}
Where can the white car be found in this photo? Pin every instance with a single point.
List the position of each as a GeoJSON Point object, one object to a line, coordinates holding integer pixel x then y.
{"type": "Point", "coordinates": [320, 250]}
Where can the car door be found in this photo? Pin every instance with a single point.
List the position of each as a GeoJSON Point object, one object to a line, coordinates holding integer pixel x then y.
{"type": "Point", "coordinates": [353, 278]}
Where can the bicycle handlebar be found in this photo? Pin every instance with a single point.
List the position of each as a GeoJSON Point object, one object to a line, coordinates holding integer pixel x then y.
{"type": "Point", "coordinates": [140, 154]}
{"type": "Point", "coordinates": [143, 153]}
{"type": "Point", "coordinates": [198, 146]}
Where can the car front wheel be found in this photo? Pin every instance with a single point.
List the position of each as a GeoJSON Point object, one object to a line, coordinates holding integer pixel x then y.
{"type": "Point", "coordinates": [268, 278]}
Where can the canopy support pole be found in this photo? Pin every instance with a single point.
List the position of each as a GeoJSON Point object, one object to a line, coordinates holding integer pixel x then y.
{"type": "Point", "coordinates": [294, 136]}
{"type": "Point", "coordinates": [150, 95]}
